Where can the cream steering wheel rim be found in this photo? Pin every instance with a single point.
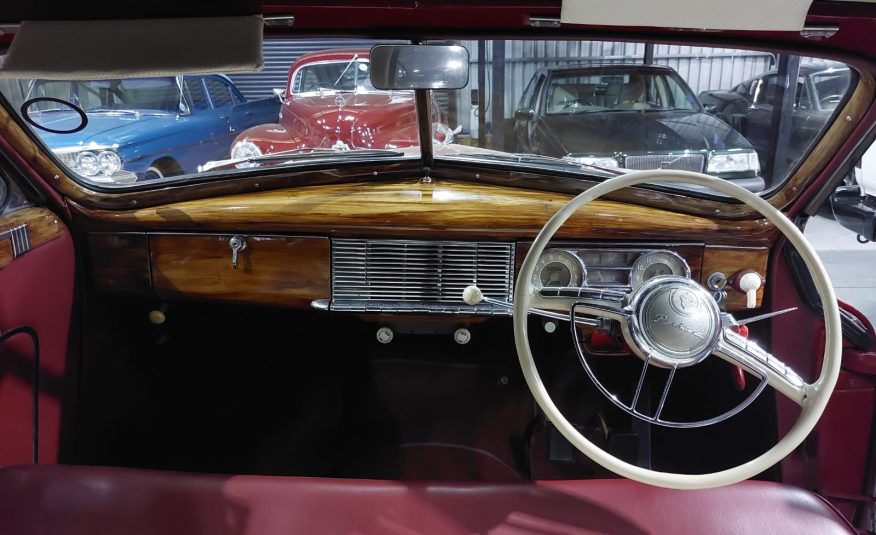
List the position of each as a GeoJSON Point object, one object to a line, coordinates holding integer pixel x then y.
{"type": "Point", "coordinates": [818, 392]}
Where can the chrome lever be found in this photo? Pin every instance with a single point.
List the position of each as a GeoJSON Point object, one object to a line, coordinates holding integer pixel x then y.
{"type": "Point", "coordinates": [237, 244]}
{"type": "Point", "coordinates": [472, 295]}
{"type": "Point", "coordinates": [752, 319]}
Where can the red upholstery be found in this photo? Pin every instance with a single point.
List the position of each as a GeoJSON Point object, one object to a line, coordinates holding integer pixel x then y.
{"type": "Point", "coordinates": [36, 290]}
{"type": "Point", "coordinates": [81, 500]}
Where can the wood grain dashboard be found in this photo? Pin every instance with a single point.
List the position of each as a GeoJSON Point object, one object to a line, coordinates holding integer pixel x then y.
{"type": "Point", "coordinates": [439, 209]}
{"type": "Point", "coordinates": [293, 271]}
{"type": "Point", "coordinates": [181, 250]}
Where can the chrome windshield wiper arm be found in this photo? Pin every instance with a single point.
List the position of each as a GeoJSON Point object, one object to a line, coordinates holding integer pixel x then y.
{"type": "Point", "coordinates": [343, 72]}
{"type": "Point", "coordinates": [538, 159]}
{"type": "Point", "coordinates": [302, 154]}
{"type": "Point", "coordinates": [319, 152]}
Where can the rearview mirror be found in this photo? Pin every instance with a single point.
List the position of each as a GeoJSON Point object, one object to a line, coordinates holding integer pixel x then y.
{"type": "Point", "coordinates": [419, 67]}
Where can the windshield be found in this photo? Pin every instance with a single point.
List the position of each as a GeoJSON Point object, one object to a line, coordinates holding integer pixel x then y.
{"type": "Point", "coordinates": [621, 106]}
{"type": "Point", "coordinates": [333, 76]}
{"type": "Point", "coordinates": [602, 89]}
{"type": "Point", "coordinates": [146, 94]}
{"type": "Point", "coordinates": [565, 108]}
{"type": "Point", "coordinates": [830, 87]}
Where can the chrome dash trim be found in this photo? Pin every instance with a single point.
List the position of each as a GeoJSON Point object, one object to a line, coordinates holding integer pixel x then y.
{"type": "Point", "coordinates": [20, 239]}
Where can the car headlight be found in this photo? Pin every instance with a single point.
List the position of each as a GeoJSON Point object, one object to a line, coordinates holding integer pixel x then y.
{"type": "Point", "coordinates": [733, 162]}
{"type": "Point", "coordinates": [87, 164]}
{"type": "Point", "coordinates": [92, 162]}
{"type": "Point", "coordinates": [245, 149]}
{"type": "Point", "coordinates": [596, 161]}
{"type": "Point", "coordinates": [109, 162]}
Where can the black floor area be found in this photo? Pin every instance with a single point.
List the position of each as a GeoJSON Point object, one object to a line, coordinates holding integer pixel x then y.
{"type": "Point", "coordinates": [231, 389]}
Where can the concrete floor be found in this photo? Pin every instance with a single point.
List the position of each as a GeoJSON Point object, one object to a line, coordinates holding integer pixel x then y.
{"type": "Point", "coordinates": [851, 265]}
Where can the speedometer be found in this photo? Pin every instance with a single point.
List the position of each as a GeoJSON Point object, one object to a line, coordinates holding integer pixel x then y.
{"type": "Point", "coordinates": [558, 268]}
{"type": "Point", "coordinates": [655, 264]}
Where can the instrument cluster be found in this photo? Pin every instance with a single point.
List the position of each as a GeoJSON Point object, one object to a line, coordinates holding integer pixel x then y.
{"type": "Point", "coordinates": [624, 269]}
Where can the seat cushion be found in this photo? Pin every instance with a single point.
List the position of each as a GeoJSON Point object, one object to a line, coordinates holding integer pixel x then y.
{"type": "Point", "coordinates": [85, 500]}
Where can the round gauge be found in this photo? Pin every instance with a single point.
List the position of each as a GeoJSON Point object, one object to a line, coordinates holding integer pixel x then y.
{"type": "Point", "coordinates": [656, 264]}
{"type": "Point", "coordinates": [558, 268]}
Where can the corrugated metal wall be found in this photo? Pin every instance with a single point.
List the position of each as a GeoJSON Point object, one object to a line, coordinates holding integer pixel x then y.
{"type": "Point", "coordinates": [279, 54]}
{"type": "Point", "coordinates": [712, 68]}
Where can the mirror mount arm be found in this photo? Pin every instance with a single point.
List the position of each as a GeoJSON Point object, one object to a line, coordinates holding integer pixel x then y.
{"type": "Point", "coordinates": [424, 123]}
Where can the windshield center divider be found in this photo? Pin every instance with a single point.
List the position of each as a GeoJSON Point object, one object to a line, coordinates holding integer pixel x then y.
{"type": "Point", "coordinates": [424, 120]}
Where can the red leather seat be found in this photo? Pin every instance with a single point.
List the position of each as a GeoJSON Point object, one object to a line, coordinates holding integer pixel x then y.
{"type": "Point", "coordinates": [83, 500]}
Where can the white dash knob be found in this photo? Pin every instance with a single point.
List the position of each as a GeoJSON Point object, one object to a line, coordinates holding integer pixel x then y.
{"type": "Point", "coordinates": [472, 295]}
{"type": "Point", "coordinates": [750, 283]}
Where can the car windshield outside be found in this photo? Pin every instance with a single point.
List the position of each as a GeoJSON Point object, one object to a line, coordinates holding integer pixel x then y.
{"type": "Point", "coordinates": [94, 96]}
{"type": "Point", "coordinates": [601, 89]}
{"type": "Point", "coordinates": [571, 109]}
{"type": "Point", "coordinates": [350, 75]}
{"type": "Point", "coordinates": [830, 86]}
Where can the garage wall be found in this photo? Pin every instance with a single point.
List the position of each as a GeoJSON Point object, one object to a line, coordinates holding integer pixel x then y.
{"type": "Point", "coordinates": [279, 54]}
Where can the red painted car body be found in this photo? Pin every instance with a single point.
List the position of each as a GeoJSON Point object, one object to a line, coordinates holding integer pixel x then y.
{"type": "Point", "coordinates": [319, 113]}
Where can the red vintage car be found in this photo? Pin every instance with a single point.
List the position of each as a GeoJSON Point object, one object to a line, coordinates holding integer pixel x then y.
{"type": "Point", "coordinates": [329, 102]}
{"type": "Point", "coordinates": [349, 336]}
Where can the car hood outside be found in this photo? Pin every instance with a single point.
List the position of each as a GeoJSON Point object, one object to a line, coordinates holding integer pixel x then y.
{"type": "Point", "coordinates": [108, 129]}
{"type": "Point", "coordinates": [641, 132]}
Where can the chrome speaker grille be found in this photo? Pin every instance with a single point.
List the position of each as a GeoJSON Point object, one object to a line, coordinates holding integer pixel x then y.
{"type": "Point", "coordinates": [679, 162]}
{"type": "Point", "coordinates": [419, 276]}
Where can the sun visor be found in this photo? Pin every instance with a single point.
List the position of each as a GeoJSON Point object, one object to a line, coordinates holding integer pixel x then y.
{"type": "Point", "coordinates": [756, 15]}
{"type": "Point", "coordinates": [103, 49]}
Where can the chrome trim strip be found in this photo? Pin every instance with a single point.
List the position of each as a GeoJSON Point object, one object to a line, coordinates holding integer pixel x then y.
{"type": "Point", "coordinates": [20, 240]}
{"type": "Point", "coordinates": [821, 31]}
{"type": "Point", "coordinates": [389, 307]}
{"type": "Point", "coordinates": [279, 21]}
{"type": "Point", "coordinates": [544, 21]}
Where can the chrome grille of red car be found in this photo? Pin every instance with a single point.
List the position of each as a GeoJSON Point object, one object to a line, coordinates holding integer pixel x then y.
{"type": "Point", "coordinates": [419, 275]}
{"type": "Point", "coordinates": [680, 162]}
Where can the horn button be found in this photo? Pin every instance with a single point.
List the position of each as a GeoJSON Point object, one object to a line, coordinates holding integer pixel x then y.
{"type": "Point", "coordinates": [675, 322]}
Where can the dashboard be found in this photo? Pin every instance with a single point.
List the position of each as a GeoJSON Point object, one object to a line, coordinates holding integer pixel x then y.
{"type": "Point", "coordinates": [391, 276]}
{"type": "Point", "coordinates": [404, 246]}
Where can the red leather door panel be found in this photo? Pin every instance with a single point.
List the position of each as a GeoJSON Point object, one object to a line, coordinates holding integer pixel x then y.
{"type": "Point", "coordinates": [36, 291]}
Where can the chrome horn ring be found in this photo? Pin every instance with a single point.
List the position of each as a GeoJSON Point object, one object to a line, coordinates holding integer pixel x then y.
{"type": "Point", "coordinates": [670, 322]}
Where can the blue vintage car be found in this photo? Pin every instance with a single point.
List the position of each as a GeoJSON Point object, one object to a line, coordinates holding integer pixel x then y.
{"type": "Point", "coordinates": [146, 128]}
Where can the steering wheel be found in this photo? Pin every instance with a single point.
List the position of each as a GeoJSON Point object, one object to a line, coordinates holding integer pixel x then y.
{"type": "Point", "coordinates": [672, 322]}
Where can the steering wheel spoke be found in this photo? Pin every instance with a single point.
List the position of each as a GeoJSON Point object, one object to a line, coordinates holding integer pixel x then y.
{"type": "Point", "coordinates": [739, 350]}
{"type": "Point", "coordinates": [587, 301]}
